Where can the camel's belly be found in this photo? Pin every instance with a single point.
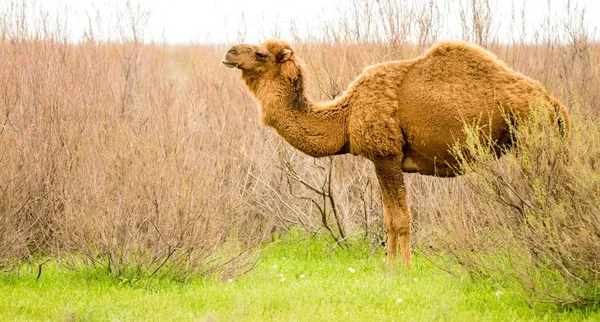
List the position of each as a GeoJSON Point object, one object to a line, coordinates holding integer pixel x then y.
{"type": "Point", "coordinates": [426, 166]}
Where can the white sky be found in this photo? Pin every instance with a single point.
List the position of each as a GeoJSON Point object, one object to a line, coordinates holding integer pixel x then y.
{"type": "Point", "coordinates": [223, 21]}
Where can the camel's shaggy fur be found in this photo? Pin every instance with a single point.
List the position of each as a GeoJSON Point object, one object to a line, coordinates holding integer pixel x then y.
{"type": "Point", "coordinates": [402, 115]}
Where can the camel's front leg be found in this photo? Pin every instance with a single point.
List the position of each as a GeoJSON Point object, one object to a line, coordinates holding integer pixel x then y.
{"type": "Point", "coordinates": [396, 217]}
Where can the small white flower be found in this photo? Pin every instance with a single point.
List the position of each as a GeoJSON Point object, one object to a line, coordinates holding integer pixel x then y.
{"type": "Point", "coordinates": [274, 266]}
{"type": "Point", "coordinates": [498, 293]}
{"type": "Point", "coordinates": [280, 275]}
{"type": "Point", "coordinates": [351, 270]}
{"type": "Point", "coordinates": [399, 300]}
{"type": "Point", "coordinates": [302, 276]}
{"type": "Point", "coordinates": [230, 280]}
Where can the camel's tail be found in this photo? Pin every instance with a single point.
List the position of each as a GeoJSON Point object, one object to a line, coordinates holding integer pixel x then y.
{"type": "Point", "coordinates": [562, 120]}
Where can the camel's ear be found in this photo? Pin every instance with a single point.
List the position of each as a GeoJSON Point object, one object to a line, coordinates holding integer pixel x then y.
{"type": "Point", "coordinates": [284, 55]}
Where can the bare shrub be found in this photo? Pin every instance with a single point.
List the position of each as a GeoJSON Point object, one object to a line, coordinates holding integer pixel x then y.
{"type": "Point", "coordinates": [477, 21]}
{"type": "Point", "coordinates": [121, 154]}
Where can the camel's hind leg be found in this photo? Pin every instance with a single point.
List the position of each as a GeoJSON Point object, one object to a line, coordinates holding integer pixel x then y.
{"type": "Point", "coordinates": [396, 217]}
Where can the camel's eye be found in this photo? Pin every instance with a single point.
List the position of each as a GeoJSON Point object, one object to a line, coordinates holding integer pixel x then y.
{"type": "Point", "coordinates": [261, 56]}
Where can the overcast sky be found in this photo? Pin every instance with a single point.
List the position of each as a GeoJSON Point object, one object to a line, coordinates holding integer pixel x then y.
{"type": "Point", "coordinates": [224, 21]}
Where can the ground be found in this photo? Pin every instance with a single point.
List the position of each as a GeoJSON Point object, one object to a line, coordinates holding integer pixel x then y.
{"type": "Point", "coordinates": [298, 279]}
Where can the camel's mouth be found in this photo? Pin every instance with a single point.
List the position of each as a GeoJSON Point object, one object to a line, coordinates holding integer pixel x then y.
{"type": "Point", "coordinates": [230, 64]}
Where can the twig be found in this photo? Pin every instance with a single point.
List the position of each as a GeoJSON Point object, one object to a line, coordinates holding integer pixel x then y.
{"type": "Point", "coordinates": [332, 201]}
{"type": "Point", "coordinates": [341, 240]}
{"type": "Point", "coordinates": [40, 268]}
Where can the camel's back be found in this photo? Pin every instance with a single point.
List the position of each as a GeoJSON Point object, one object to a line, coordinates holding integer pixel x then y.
{"type": "Point", "coordinates": [457, 83]}
{"type": "Point", "coordinates": [431, 97]}
{"type": "Point", "coordinates": [459, 76]}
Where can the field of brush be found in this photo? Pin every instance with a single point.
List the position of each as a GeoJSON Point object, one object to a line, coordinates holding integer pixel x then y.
{"type": "Point", "coordinates": [136, 183]}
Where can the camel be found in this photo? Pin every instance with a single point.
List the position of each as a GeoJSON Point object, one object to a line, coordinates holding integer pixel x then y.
{"type": "Point", "coordinates": [404, 116]}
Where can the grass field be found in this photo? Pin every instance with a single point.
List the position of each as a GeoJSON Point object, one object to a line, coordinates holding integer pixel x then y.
{"type": "Point", "coordinates": [296, 280]}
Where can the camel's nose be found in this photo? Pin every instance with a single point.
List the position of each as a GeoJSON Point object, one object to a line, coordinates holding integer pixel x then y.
{"type": "Point", "coordinates": [229, 58]}
{"type": "Point", "coordinates": [231, 53]}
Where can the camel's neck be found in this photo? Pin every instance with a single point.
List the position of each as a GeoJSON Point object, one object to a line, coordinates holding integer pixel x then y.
{"type": "Point", "coordinates": [315, 129]}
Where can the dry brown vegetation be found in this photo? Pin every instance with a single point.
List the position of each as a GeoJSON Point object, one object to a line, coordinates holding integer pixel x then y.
{"type": "Point", "coordinates": [144, 156]}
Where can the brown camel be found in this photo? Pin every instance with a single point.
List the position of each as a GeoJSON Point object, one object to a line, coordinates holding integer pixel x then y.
{"type": "Point", "coordinates": [404, 116]}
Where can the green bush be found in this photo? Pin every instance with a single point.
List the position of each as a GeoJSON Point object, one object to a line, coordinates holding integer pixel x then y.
{"type": "Point", "coordinates": [532, 216]}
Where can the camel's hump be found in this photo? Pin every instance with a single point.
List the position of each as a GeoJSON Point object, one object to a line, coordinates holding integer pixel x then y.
{"type": "Point", "coordinates": [452, 48]}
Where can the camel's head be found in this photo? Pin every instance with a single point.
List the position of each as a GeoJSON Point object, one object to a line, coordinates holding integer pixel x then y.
{"type": "Point", "coordinates": [268, 56]}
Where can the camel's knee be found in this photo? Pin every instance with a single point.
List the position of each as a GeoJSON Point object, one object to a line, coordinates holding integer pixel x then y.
{"type": "Point", "coordinates": [396, 216]}
{"type": "Point", "coordinates": [387, 221]}
{"type": "Point", "coordinates": [398, 225]}
{"type": "Point", "coordinates": [401, 225]}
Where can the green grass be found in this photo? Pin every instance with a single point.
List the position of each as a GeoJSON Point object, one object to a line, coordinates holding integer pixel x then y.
{"type": "Point", "coordinates": [328, 291]}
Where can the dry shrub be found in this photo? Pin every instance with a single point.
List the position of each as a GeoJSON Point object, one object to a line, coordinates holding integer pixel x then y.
{"type": "Point", "coordinates": [127, 155]}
